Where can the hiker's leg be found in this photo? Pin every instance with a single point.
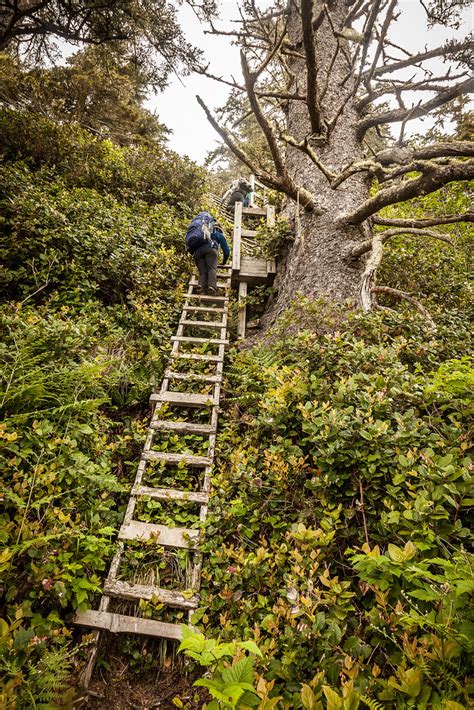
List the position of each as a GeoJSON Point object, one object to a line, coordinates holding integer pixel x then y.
{"type": "Point", "coordinates": [211, 261]}
{"type": "Point", "coordinates": [200, 261]}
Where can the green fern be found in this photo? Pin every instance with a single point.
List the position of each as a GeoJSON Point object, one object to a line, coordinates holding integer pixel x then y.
{"type": "Point", "coordinates": [371, 703]}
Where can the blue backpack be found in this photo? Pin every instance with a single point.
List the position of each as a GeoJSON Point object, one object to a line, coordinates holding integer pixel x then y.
{"type": "Point", "coordinates": [199, 231]}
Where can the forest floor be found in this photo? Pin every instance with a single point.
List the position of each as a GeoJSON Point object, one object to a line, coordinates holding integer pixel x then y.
{"type": "Point", "coordinates": [121, 688]}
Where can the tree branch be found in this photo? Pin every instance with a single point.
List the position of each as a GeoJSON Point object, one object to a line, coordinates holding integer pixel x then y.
{"type": "Point", "coordinates": [400, 114]}
{"type": "Point", "coordinates": [428, 222]}
{"type": "Point", "coordinates": [282, 183]}
{"type": "Point", "coordinates": [406, 297]}
{"type": "Point", "coordinates": [366, 246]}
{"type": "Point", "coordinates": [434, 177]}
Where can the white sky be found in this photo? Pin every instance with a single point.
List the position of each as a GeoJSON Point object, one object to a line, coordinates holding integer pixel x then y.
{"type": "Point", "coordinates": [178, 109]}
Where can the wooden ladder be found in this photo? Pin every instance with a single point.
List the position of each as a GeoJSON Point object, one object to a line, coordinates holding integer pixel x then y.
{"type": "Point", "coordinates": [196, 308]}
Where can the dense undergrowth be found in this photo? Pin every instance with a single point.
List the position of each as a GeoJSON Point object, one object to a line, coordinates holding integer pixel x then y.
{"type": "Point", "coordinates": [93, 275]}
{"type": "Point", "coordinates": [339, 529]}
{"type": "Point", "coordinates": [338, 538]}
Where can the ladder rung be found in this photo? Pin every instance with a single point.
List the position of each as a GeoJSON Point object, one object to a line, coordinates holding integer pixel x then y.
{"type": "Point", "coordinates": [197, 356]}
{"type": "Point", "coordinates": [186, 399]}
{"type": "Point", "coordinates": [168, 537]}
{"type": "Point", "coordinates": [254, 210]}
{"type": "Point", "coordinates": [203, 323]}
{"type": "Point", "coordinates": [191, 427]}
{"type": "Point", "coordinates": [189, 339]}
{"type": "Point", "coordinates": [209, 379]}
{"type": "Point", "coordinates": [171, 494]}
{"type": "Point", "coordinates": [176, 458]}
{"type": "Point", "coordinates": [206, 298]}
{"type": "Point", "coordinates": [129, 590]}
{"type": "Point", "coordinates": [121, 624]}
{"type": "Point", "coordinates": [203, 309]}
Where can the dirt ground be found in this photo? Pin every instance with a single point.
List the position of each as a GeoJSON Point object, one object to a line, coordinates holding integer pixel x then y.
{"type": "Point", "coordinates": [120, 687]}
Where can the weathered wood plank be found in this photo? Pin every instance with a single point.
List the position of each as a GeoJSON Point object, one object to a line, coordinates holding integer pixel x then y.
{"type": "Point", "coordinates": [203, 309]}
{"type": "Point", "coordinates": [236, 244]}
{"type": "Point", "coordinates": [198, 356]}
{"type": "Point", "coordinates": [121, 624]}
{"type": "Point", "coordinates": [203, 323]}
{"type": "Point", "coordinates": [201, 297]}
{"type": "Point", "coordinates": [190, 427]}
{"type": "Point", "coordinates": [189, 339]}
{"type": "Point", "coordinates": [185, 399]}
{"type": "Point", "coordinates": [197, 377]}
{"type": "Point", "coordinates": [249, 232]}
{"type": "Point", "coordinates": [129, 590]}
{"type": "Point", "coordinates": [176, 458]}
{"type": "Point", "coordinates": [242, 317]}
{"type": "Point", "coordinates": [168, 537]}
{"type": "Point", "coordinates": [255, 211]}
{"type": "Point", "coordinates": [171, 494]}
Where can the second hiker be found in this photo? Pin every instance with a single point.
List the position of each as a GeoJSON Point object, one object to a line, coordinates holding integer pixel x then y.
{"type": "Point", "coordinates": [203, 239]}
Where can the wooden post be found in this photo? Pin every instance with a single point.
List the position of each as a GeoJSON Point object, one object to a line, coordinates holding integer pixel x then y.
{"type": "Point", "coordinates": [252, 194]}
{"type": "Point", "coordinates": [271, 265]}
{"type": "Point", "coordinates": [242, 319]}
{"type": "Point", "coordinates": [236, 246]}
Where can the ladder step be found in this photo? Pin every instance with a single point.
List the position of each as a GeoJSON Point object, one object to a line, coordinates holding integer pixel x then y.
{"type": "Point", "coordinates": [249, 232]}
{"type": "Point", "coordinates": [128, 590]}
{"type": "Point", "coordinates": [186, 399]}
{"type": "Point", "coordinates": [222, 281]}
{"type": "Point", "coordinates": [188, 339]}
{"type": "Point", "coordinates": [197, 356]}
{"type": "Point", "coordinates": [209, 379]}
{"type": "Point", "coordinates": [254, 210]}
{"type": "Point", "coordinates": [121, 624]}
{"type": "Point", "coordinates": [190, 427]}
{"type": "Point", "coordinates": [203, 323]}
{"type": "Point", "coordinates": [171, 494]}
{"type": "Point", "coordinates": [176, 458]}
{"type": "Point", "coordinates": [206, 298]}
{"type": "Point", "coordinates": [203, 309]}
{"type": "Point", "coordinates": [165, 536]}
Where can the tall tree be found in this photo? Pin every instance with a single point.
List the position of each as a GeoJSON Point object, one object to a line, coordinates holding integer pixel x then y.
{"type": "Point", "coordinates": [322, 79]}
{"type": "Point", "coordinates": [148, 28]}
{"type": "Point", "coordinates": [99, 88]}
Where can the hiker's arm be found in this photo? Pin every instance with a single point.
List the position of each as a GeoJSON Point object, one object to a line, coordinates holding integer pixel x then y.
{"type": "Point", "coordinates": [225, 248]}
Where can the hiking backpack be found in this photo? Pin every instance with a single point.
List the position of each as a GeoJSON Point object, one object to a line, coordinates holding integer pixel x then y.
{"type": "Point", "coordinates": [199, 231]}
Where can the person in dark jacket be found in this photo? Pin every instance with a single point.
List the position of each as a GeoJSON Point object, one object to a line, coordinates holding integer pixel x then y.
{"type": "Point", "coordinates": [206, 257]}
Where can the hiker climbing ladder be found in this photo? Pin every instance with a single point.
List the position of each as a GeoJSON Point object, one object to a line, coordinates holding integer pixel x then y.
{"type": "Point", "coordinates": [206, 315]}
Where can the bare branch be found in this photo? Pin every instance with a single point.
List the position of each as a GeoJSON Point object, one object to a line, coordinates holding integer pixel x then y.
{"type": "Point", "coordinates": [406, 297]}
{"type": "Point", "coordinates": [427, 222]}
{"type": "Point", "coordinates": [262, 120]}
{"type": "Point", "coordinates": [370, 271]}
{"type": "Point", "coordinates": [409, 114]}
{"type": "Point", "coordinates": [449, 48]}
{"type": "Point", "coordinates": [366, 246]}
{"type": "Point", "coordinates": [282, 183]}
{"type": "Point", "coordinates": [434, 177]}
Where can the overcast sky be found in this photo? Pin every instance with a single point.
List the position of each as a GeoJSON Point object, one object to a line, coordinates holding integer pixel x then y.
{"type": "Point", "coordinates": [177, 106]}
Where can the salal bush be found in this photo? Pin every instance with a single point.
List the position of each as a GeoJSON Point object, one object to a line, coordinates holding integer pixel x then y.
{"type": "Point", "coordinates": [339, 532]}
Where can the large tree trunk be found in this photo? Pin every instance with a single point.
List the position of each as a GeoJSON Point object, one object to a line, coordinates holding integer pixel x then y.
{"type": "Point", "coordinates": [317, 263]}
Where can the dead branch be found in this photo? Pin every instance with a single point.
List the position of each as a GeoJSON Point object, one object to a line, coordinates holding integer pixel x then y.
{"type": "Point", "coordinates": [366, 246]}
{"type": "Point", "coordinates": [306, 148]}
{"type": "Point", "coordinates": [370, 271]}
{"type": "Point", "coordinates": [407, 297]}
{"type": "Point", "coordinates": [282, 183]}
{"type": "Point", "coordinates": [401, 114]}
{"type": "Point", "coordinates": [434, 177]}
{"type": "Point", "coordinates": [449, 48]}
{"type": "Point", "coordinates": [420, 223]}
